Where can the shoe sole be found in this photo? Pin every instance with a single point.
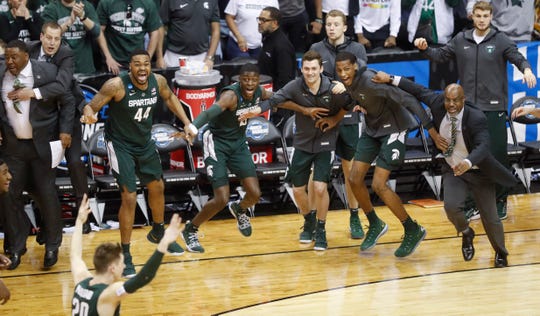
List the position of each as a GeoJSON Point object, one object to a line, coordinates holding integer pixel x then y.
{"type": "Point", "coordinates": [129, 276]}
{"type": "Point", "coordinates": [385, 229]}
{"type": "Point", "coordinates": [504, 217]}
{"type": "Point", "coordinates": [320, 248]}
{"type": "Point", "coordinates": [188, 248]}
{"type": "Point", "coordinates": [417, 244]}
{"type": "Point", "coordinates": [306, 241]}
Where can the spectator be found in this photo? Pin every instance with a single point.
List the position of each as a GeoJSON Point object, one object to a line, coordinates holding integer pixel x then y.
{"type": "Point", "coordinates": [181, 20]}
{"type": "Point", "coordinates": [349, 128]}
{"type": "Point", "coordinates": [241, 16]}
{"type": "Point", "coordinates": [31, 119]}
{"type": "Point", "coordinates": [80, 27]}
{"type": "Point", "coordinates": [477, 66]}
{"type": "Point", "coordinates": [19, 23]}
{"type": "Point", "coordinates": [431, 19]}
{"type": "Point", "coordinates": [294, 20]}
{"type": "Point", "coordinates": [513, 18]}
{"type": "Point", "coordinates": [277, 57]}
{"type": "Point", "coordinates": [377, 25]}
{"type": "Point", "coordinates": [124, 24]}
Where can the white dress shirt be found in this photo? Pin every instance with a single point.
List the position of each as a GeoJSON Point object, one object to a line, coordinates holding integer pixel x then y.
{"type": "Point", "coordinates": [460, 151]}
{"type": "Point", "coordinates": [19, 121]}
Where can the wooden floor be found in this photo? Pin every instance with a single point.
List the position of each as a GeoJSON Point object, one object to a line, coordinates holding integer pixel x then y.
{"type": "Point", "coordinates": [270, 273]}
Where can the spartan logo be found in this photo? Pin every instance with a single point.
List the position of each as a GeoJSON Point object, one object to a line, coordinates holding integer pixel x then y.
{"type": "Point", "coordinates": [490, 49]}
{"type": "Point", "coordinates": [210, 171]}
{"type": "Point", "coordinates": [395, 154]}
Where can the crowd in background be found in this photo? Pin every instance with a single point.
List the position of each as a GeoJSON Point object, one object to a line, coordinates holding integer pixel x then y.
{"type": "Point", "coordinates": [101, 33]}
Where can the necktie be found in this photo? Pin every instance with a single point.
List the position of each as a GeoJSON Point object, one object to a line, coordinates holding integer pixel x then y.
{"type": "Point", "coordinates": [17, 84]}
{"type": "Point", "coordinates": [453, 132]}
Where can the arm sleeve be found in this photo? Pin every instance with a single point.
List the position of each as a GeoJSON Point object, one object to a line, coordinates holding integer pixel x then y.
{"type": "Point", "coordinates": [207, 115]}
{"type": "Point", "coordinates": [147, 273]}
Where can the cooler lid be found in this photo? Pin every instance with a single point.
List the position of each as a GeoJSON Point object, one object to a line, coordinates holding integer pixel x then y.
{"type": "Point", "coordinates": [210, 78]}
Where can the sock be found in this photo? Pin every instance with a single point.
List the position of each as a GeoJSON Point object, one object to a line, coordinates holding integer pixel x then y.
{"type": "Point", "coordinates": [125, 248]}
{"type": "Point", "coordinates": [320, 224]}
{"type": "Point", "coordinates": [158, 227]}
{"type": "Point", "coordinates": [409, 224]}
{"type": "Point", "coordinates": [354, 211]}
{"type": "Point", "coordinates": [372, 217]}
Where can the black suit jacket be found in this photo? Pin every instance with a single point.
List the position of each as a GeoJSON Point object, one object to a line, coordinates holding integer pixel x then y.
{"type": "Point", "coordinates": [474, 129]}
{"type": "Point", "coordinates": [44, 114]}
{"type": "Point", "coordinates": [63, 59]}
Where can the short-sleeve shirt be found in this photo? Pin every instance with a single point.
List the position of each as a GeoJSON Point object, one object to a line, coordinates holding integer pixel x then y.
{"type": "Point", "coordinates": [182, 17]}
{"type": "Point", "coordinates": [126, 24]}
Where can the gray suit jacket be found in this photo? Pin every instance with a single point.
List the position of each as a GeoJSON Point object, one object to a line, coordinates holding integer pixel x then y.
{"type": "Point", "coordinates": [44, 114]}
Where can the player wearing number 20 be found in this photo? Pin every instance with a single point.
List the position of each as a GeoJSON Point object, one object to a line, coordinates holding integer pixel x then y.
{"type": "Point", "coordinates": [132, 98]}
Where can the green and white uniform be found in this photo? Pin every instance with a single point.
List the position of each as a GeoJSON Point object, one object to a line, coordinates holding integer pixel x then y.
{"type": "Point", "coordinates": [128, 133]}
{"type": "Point", "coordinates": [225, 143]}
{"type": "Point", "coordinates": [126, 24]}
{"type": "Point", "coordinates": [85, 298]}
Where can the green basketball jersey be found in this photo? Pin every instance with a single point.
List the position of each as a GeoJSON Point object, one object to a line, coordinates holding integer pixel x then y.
{"type": "Point", "coordinates": [226, 125]}
{"type": "Point", "coordinates": [85, 298]}
{"type": "Point", "coordinates": [130, 121]}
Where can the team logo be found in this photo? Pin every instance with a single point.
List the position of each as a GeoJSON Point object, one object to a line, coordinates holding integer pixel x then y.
{"type": "Point", "coordinates": [206, 6]}
{"type": "Point", "coordinates": [210, 171]}
{"type": "Point", "coordinates": [395, 154]}
{"type": "Point", "coordinates": [257, 130]}
{"type": "Point", "coordinates": [153, 92]}
{"type": "Point", "coordinates": [490, 49]}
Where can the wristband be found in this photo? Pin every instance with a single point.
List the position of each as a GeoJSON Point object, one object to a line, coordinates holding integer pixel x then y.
{"type": "Point", "coordinates": [319, 20]}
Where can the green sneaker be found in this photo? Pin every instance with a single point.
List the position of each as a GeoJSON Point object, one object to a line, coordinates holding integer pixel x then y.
{"type": "Point", "coordinates": [191, 238]}
{"type": "Point", "coordinates": [374, 232]}
{"type": "Point", "coordinates": [320, 240]}
{"type": "Point", "coordinates": [410, 242]}
{"type": "Point", "coordinates": [356, 227]}
{"type": "Point", "coordinates": [472, 214]}
{"type": "Point", "coordinates": [307, 235]}
{"type": "Point", "coordinates": [501, 210]}
{"type": "Point", "coordinates": [174, 248]}
{"type": "Point", "coordinates": [129, 269]}
{"type": "Point", "coordinates": [243, 222]}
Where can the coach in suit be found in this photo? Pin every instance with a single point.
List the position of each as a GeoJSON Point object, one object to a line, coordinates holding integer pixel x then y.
{"type": "Point", "coordinates": [30, 119]}
{"type": "Point", "coordinates": [464, 141]}
{"type": "Point", "coordinates": [50, 49]}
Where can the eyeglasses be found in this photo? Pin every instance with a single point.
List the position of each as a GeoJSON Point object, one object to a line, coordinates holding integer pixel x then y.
{"type": "Point", "coordinates": [263, 20]}
{"type": "Point", "coordinates": [129, 11]}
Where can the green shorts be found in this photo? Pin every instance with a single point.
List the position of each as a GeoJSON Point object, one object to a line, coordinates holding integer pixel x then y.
{"type": "Point", "coordinates": [127, 166]}
{"type": "Point", "coordinates": [389, 150]}
{"type": "Point", "coordinates": [347, 141]}
{"type": "Point", "coordinates": [222, 155]}
{"type": "Point", "coordinates": [300, 169]}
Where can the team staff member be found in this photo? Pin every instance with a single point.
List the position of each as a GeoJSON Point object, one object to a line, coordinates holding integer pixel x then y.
{"type": "Point", "coordinates": [470, 167]}
{"type": "Point", "coordinates": [481, 55]}
{"type": "Point", "coordinates": [49, 49]}
{"type": "Point", "coordinates": [132, 98]}
{"type": "Point", "coordinates": [30, 120]}
{"type": "Point", "coordinates": [314, 142]}
{"type": "Point", "coordinates": [102, 293]}
{"type": "Point", "coordinates": [383, 140]}
{"type": "Point", "coordinates": [349, 129]}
